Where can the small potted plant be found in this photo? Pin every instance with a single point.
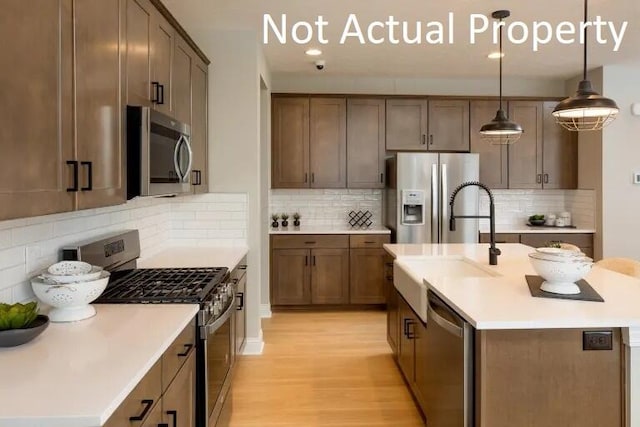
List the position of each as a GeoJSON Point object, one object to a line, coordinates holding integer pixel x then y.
{"type": "Point", "coordinates": [274, 220]}
{"type": "Point", "coordinates": [296, 219]}
{"type": "Point", "coordinates": [285, 218]}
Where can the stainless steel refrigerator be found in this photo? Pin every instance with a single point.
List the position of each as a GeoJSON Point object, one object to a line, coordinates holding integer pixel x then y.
{"type": "Point", "coordinates": [416, 199]}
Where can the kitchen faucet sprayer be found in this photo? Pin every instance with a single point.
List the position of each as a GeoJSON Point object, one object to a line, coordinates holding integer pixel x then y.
{"type": "Point", "coordinates": [493, 251]}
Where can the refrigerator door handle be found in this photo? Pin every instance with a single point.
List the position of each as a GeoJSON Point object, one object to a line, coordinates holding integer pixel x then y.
{"type": "Point", "coordinates": [444, 219]}
{"type": "Point", "coordinates": [435, 201]}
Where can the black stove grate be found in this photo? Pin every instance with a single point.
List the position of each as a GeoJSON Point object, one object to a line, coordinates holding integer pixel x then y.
{"type": "Point", "coordinates": [163, 285]}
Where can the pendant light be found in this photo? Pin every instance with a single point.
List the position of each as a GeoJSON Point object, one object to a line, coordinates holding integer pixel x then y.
{"type": "Point", "coordinates": [501, 130]}
{"type": "Point", "coordinates": [587, 109]}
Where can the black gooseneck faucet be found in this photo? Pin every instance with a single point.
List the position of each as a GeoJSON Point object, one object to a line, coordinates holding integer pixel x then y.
{"type": "Point", "coordinates": [493, 251]}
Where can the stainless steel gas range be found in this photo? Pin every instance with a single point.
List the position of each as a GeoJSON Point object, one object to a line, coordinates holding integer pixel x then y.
{"type": "Point", "coordinates": [212, 288]}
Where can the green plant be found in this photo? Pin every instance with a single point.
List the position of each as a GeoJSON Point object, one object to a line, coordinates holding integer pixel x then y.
{"type": "Point", "coordinates": [284, 216]}
{"type": "Point", "coordinates": [275, 217]}
{"type": "Point", "coordinates": [556, 245]}
{"type": "Point", "coordinates": [17, 316]}
{"type": "Point", "coordinates": [297, 216]}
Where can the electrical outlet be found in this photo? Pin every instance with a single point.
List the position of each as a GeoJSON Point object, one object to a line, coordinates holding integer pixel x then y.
{"type": "Point", "coordinates": [636, 177]}
{"type": "Point", "coordinates": [597, 340]}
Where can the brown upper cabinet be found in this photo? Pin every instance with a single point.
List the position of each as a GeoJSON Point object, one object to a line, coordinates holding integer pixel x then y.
{"type": "Point", "coordinates": [199, 131]}
{"type": "Point", "coordinates": [183, 59]}
{"type": "Point", "coordinates": [309, 142]}
{"type": "Point", "coordinates": [365, 142]}
{"type": "Point", "coordinates": [163, 39]}
{"type": "Point", "coordinates": [428, 125]}
{"type": "Point", "coordinates": [546, 155]}
{"type": "Point", "coordinates": [494, 162]}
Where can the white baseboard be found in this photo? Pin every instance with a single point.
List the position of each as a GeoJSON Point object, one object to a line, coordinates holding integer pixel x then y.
{"type": "Point", "coordinates": [265, 311]}
{"type": "Point", "coordinates": [253, 346]}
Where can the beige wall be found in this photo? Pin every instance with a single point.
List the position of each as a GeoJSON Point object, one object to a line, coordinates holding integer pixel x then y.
{"type": "Point", "coordinates": [621, 158]}
{"type": "Point", "coordinates": [319, 83]}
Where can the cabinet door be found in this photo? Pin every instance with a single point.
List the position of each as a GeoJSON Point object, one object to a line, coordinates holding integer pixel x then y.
{"type": "Point", "coordinates": [560, 157]}
{"type": "Point", "coordinates": [162, 42]}
{"type": "Point", "coordinates": [449, 125]}
{"type": "Point", "coordinates": [36, 101]}
{"type": "Point", "coordinates": [330, 276]}
{"type": "Point", "coordinates": [138, 64]}
{"type": "Point", "coordinates": [199, 128]}
{"type": "Point", "coordinates": [365, 143]}
{"type": "Point", "coordinates": [407, 124]}
{"type": "Point", "coordinates": [290, 277]}
{"type": "Point", "coordinates": [525, 156]}
{"type": "Point", "coordinates": [367, 284]}
{"type": "Point", "coordinates": [328, 142]}
{"type": "Point", "coordinates": [290, 143]}
{"type": "Point", "coordinates": [494, 162]}
{"type": "Point", "coordinates": [406, 346]}
{"type": "Point", "coordinates": [178, 402]}
{"type": "Point", "coordinates": [99, 107]}
{"type": "Point", "coordinates": [181, 80]}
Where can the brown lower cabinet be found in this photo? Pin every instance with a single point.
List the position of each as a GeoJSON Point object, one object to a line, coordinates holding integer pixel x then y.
{"type": "Point", "coordinates": [582, 240]}
{"type": "Point", "coordinates": [166, 394]}
{"type": "Point", "coordinates": [321, 270]}
{"type": "Point", "coordinates": [392, 306]}
{"type": "Point", "coordinates": [524, 378]}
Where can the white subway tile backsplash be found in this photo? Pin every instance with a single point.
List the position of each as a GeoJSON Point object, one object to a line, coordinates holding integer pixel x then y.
{"type": "Point", "coordinates": [29, 245]}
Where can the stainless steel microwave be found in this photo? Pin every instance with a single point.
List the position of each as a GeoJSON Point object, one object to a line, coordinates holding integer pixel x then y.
{"type": "Point", "coordinates": [159, 155]}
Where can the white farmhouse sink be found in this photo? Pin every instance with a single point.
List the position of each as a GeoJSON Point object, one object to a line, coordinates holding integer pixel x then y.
{"type": "Point", "coordinates": [410, 273]}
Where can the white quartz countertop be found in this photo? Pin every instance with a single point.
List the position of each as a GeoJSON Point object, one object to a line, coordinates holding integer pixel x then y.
{"type": "Point", "coordinates": [504, 301]}
{"type": "Point", "coordinates": [77, 374]}
{"type": "Point", "coordinates": [194, 257]}
{"type": "Point", "coordinates": [329, 230]}
{"type": "Point", "coordinates": [523, 229]}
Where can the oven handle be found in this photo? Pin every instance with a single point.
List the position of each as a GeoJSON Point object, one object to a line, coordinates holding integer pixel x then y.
{"type": "Point", "coordinates": [210, 328]}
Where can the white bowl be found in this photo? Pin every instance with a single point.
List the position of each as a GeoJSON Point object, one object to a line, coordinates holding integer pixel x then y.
{"type": "Point", "coordinates": [559, 252]}
{"type": "Point", "coordinates": [70, 301]}
{"type": "Point", "coordinates": [94, 274]}
{"type": "Point", "coordinates": [561, 276]}
{"type": "Point", "coordinates": [69, 268]}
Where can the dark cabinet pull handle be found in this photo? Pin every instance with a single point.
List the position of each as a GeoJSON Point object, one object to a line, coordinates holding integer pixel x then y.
{"type": "Point", "coordinates": [241, 304]}
{"type": "Point", "coordinates": [313, 177]}
{"type": "Point", "coordinates": [381, 178]}
{"type": "Point", "coordinates": [89, 166]}
{"type": "Point", "coordinates": [197, 177]}
{"type": "Point", "coordinates": [156, 92]}
{"type": "Point", "coordinates": [306, 177]}
{"type": "Point", "coordinates": [163, 425]}
{"type": "Point", "coordinates": [546, 178]}
{"type": "Point", "coordinates": [309, 243]}
{"type": "Point", "coordinates": [187, 349]}
{"type": "Point", "coordinates": [431, 139]}
{"type": "Point", "coordinates": [306, 260]}
{"type": "Point", "coordinates": [389, 278]}
{"type": "Point", "coordinates": [76, 172]}
{"type": "Point", "coordinates": [314, 260]}
{"type": "Point", "coordinates": [174, 416]}
{"type": "Point", "coordinates": [148, 403]}
{"type": "Point", "coordinates": [161, 96]}
{"type": "Point", "coordinates": [539, 178]}
{"type": "Point", "coordinates": [369, 242]}
{"type": "Point", "coordinates": [406, 322]}
{"type": "Point", "coordinates": [410, 334]}
{"type": "Point", "coordinates": [424, 139]}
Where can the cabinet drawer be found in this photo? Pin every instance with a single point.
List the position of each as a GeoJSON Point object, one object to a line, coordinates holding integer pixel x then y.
{"type": "Point", "coordinates": [538, 240]}
{"type": "Point", "coordinates": [177, 353]}
{"type": "Point", "coordinates": [141, 401]}
{"type": "Point", "coordinates": [500, 238]}
{"type": "Point", "coordinates": [368, 240]}
{"type": "Point", "coordinates": [299, 241]}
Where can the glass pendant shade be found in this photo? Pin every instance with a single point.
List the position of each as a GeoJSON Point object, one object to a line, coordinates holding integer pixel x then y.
{"type": "Point", "coordinates": [501, 131]}
{"type": "Point", "coordinates": [587, 110]}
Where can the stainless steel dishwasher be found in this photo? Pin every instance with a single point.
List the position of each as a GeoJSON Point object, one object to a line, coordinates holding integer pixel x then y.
{"type": "Point", "coordinates": [448, 367]}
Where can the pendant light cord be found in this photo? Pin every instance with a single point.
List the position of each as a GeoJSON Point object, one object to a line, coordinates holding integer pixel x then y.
{"type": "Point", "coordinates": [501, 55]}
{"type": "Point", "coordinates": [585, 32]}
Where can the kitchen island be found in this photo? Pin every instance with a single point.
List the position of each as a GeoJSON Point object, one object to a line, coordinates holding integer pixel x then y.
{"type": "Point", "coordinates": [528, 365]}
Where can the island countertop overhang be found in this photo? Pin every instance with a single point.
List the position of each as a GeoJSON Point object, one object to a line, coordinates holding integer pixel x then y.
{"type": "Point", "coordinates": [503, 301]}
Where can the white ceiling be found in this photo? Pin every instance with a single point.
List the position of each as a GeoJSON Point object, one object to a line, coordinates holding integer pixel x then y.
{"type": "Point", "coordinates": [458, 60]}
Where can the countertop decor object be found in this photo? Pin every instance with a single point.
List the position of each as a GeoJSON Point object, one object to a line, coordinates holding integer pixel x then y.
{"type": "Point", "coordinates": [93, 274]}
{"type": "Point", "coordinates": [587, 110]}
{"type": "Point", "coordinates": [501, 130]}
{"type": "Point", "coordinates": [70, 302]}
{"type": "Point", "coordinates": [360, 219]}
{"type": "Point", "coordinates": [16, 337]}
{"type": "Point", "coordinates": [69, 268]}
{"type": "Point", "coordinates": [587, 293]}
{"type": "Point", "coordinates": [274, 220]}
{"type": "Point", "coordinates": [561, 269]}
{"type": "Point", "coordinates": [285, 219]}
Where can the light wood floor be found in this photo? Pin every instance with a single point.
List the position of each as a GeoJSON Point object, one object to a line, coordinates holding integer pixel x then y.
{"type": "Point", "coordinates": [322, 369]}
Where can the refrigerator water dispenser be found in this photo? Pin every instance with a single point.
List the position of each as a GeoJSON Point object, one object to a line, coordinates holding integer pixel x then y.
{"type": "Point", "coordinates": [413, 207]}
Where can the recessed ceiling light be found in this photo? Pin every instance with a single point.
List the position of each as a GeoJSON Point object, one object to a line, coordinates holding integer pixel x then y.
{"type": "Point", "coordinates": [495, 55]}
{"type": "Point", "coordinates": [314, 52]}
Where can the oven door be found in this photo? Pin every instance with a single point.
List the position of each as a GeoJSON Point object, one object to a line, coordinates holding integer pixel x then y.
{"type": "Point", "coordinates": [217, 340]}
